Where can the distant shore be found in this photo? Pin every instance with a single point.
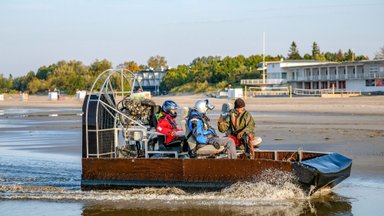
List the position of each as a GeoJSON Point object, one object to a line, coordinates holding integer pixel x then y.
{"type": "Point", "coordinates": [15, 100]}
{"type": "Point", "coordinates": [373, 105]}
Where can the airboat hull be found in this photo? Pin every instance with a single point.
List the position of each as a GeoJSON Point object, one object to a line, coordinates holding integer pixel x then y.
{"type": "Point", "coordinates": [116, 121]}
{"type": "Point", "coordinates": [120, 173]}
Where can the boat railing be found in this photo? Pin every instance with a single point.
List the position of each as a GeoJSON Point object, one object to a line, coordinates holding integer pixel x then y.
{"type": "Point", "coordinates": [285, 155]}
{"type": "Point", "coordinates": [148, 152]}
{"type": "Point", "coordinates": [136, 132]}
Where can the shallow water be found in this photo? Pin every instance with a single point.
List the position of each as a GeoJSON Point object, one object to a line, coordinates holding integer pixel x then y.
{"type": "Point", "coordinates": [40, 172]}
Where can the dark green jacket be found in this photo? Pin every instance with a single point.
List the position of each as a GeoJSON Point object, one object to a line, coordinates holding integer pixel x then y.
{"type": "Point", "coordinates": [244, 123]}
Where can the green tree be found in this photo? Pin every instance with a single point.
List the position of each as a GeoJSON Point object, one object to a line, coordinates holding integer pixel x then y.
{"type": "Point", "coordinates": [5, 84]}
{"type": "Point", "coordinates": [131, 66]}
{"type": "Point", "coordinates": [157, 61]}
{"type": "Point", "coordinates": [316, 54]}
{"type": "Point", "coordinates": [307, 56]}
{"type": "Point", "coordinates": [229, 71]}
{"type": "Point", "coordinates": [21, 83]}
{"type": "Point", "coordinates": [69, 76]}
{"type": "Point", "coordinates": [349, 56]}
{"type": "Point", "coordinates": [97, 67]}
{"type": "Point", "coordinates": [293, 53]}
{"type": "Point", "coordinates": [34, 85]}
{"type": "Point", "coordinates": [176, 77]}
{"type": "Point", "coordinates": [252, 62]}
{"type": "Point", "coordinates": [361, 57]}
{"type": "Point", "coordinates": [202, 68]}
{"type": "Point", "coordinates": [339, 56]}
{"type": "Point", "coordinates": [43, 72]}
{"type": "Point", "coordinates": [329, 56]}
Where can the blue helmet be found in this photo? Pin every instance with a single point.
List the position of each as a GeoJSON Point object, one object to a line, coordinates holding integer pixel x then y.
{"type": "Point", "coordinates": [169, 105]}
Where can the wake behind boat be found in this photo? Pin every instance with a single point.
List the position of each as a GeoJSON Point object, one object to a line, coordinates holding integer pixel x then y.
{"type": "Point", "coordinates": [121, 148]}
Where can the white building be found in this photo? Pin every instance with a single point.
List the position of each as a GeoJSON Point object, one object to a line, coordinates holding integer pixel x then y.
{"type": "Point", "coordinates": [364, 76]}
{"type": "Point", "coordinates": [151, 79]}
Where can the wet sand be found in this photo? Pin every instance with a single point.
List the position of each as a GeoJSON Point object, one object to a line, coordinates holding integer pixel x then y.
{"type": "Point", "coordinates": [352, 126]}
{"type": "Point", "coordinates": [371, 105]}
{"type": "Point", "coordinates": [14, 100]}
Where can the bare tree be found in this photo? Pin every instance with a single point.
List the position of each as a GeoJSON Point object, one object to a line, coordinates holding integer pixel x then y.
{"type": "Point", "coordinates": [380, 53]}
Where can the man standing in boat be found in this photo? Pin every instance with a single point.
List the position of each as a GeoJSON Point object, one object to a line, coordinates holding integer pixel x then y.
{"type": "Point", "coordinates": [167, 126]}
{"type": "Point", "coordinates": [239, 126]}
{"type": "Point", "coordinates": [203, 133]}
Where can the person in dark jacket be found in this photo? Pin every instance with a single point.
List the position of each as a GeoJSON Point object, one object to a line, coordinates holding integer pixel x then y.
{"type": "Point", "coordinates": [239, 125]}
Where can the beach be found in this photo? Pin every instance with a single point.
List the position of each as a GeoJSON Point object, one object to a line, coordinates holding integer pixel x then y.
{"type": "Point", "coordinates": [371, 105]}
{"type": "Point", "coordinates": [353, 125]}
{"type": "Point", "coordinates": [50, 131]}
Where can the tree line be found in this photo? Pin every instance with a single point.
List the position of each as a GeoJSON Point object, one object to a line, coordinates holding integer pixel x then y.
{"type": "Point", "coordinates": [201, 74]}
{"type": "Point", "coordinates": [68, 76]}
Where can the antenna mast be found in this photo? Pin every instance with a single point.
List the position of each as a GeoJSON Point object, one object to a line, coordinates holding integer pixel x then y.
{"type": "Point", "coordinates": [263, 57]}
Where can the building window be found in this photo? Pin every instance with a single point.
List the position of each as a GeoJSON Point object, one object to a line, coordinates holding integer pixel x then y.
{"type": "Point", "coordinates": [369, 82]}
{"type": "Point", "coordinates": [379, 82]}
{"type": "Point", "coordinates": [283, 75]}
{"type": "Point", "coordinates": [324, 85]}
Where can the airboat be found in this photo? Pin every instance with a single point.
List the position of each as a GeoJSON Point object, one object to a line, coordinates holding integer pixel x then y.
{"type": "Point", "coordinates": [122, 150]}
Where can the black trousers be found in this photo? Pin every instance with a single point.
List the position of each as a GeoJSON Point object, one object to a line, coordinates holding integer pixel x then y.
{"type": "Point", "coordinates": [178, 142]}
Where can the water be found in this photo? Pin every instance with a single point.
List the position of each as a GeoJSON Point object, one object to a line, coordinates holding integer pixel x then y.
{"type": "Point", "coordinates": [40, 172]}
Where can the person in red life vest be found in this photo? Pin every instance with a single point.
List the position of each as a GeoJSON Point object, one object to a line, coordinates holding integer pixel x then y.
{"type": "Point", "coordinates": [239, 125]}
{"type": "Point", "coordinates": [167, 126]}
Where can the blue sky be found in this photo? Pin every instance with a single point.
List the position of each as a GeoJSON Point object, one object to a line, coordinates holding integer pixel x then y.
{"type": "Point", "coordinates": [41, 32]}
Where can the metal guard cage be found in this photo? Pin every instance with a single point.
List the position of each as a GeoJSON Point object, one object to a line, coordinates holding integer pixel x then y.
{"type": "Point", "coordinates": [103, 119]}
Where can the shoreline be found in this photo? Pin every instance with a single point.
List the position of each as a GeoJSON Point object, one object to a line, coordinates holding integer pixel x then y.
{"type": "Point", "coordinates": [371, 105]}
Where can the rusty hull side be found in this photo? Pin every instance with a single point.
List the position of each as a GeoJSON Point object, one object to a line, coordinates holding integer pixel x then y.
{"type": "Point", "coordinates": [209, 173]}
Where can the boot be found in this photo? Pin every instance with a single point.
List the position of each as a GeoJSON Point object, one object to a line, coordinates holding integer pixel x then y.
{"type": "Point", "coordinates": [192, 154]}
{"type": "Point", "coordinates": [248, 146]}
{"type": "Point", "coordinates": [187, 148]}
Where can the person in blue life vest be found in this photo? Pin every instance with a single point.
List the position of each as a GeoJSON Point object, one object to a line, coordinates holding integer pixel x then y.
{"type": "Point", "coordinates": [167, 125]}
{"type": "Point", "coordinates": [203, 133]}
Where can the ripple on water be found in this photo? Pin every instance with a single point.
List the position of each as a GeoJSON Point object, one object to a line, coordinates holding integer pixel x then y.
{"type": "Point", "coordinates": [241, 193]}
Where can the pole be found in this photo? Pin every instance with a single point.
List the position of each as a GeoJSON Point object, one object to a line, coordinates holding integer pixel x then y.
{"type": "Point", "coordinates": [245, 92]}
{"type": "Point", "coordinates": [263, 57]}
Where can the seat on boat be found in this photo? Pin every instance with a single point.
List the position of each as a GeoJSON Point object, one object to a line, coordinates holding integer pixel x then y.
{"type": "Point", "coordinates": [207, 149]}
{"type": "Point", "coordinates": [256, 141]}
{"type": "Point", "coordinates": [202, 150]}
{"type": "Point", "coordinates": [156, 141]}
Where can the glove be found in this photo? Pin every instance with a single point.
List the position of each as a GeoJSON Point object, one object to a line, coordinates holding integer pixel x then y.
{"type": "Point", "coordinates": [216, 145]}
{"type": "Point", "coordinates": [240, 134]}
{"type": "Point", "coordinates": [220, 120]}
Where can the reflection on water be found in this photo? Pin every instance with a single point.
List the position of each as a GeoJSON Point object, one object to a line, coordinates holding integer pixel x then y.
{"type": "Point", "coordinates": [332, 206]}
{"type": "Point", "coordinates": [173, 201]}
{"type": "Point", "coordinates": [148, 208]}
{"type": "Point", "coordinates": [327, 205]}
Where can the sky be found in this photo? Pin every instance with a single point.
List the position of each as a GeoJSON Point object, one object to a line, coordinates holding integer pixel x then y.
{"type": "Point", "coordinates": [34, 33]}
